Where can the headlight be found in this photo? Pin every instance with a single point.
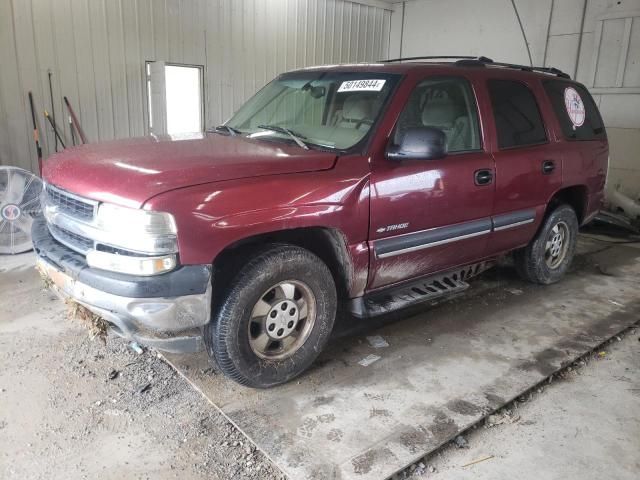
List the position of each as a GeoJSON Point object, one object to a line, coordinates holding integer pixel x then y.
{"type": "Point", "coordinates": [129, 264]}
{"type": "Point", "coordinates": [138, 230]}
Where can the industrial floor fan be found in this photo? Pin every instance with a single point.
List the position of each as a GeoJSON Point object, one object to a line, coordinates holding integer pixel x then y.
{"type": "Point", "coordinates": [20, 192]}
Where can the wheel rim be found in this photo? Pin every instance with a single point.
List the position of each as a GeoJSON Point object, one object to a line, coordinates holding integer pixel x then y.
{"type": "Point", "coordinates": [281, 320]}
{"type": "Point", "coordinates": [557, 245]}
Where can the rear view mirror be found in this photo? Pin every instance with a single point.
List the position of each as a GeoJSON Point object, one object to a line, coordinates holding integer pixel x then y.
{"type": "Point", "coordinates": [419, 143]}
{"type": "Point", "coordinates": [317, 92]}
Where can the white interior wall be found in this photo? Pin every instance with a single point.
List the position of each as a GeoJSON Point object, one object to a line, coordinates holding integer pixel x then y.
{"type": "Point", "coordinates": [96, 50]}
{"type": "Point", "coordinates": [595, 41]}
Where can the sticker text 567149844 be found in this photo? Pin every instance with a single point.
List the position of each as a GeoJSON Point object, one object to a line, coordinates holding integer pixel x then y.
{"type": "Point", "coordinates": [361, 85]}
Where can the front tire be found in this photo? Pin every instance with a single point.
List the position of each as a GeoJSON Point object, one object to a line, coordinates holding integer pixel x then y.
{"type": "Point", "coordinates": [275, 319]}
{"type": "Point", "coordinates": [546, 259]}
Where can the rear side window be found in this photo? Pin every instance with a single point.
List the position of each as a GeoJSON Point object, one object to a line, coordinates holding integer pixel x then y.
{"type": "Point", "coordinates": [577, 112]}
{"type": "Point", "coordinates": [518, 119]}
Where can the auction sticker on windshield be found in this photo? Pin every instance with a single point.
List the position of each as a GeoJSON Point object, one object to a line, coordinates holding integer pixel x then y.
{"type": "Point", "coordinates": [361, 85]}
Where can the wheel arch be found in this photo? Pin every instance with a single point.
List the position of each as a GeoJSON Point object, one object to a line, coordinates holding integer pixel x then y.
{"type": "Point", "coordinates": [329, 244]}
{"type": "Point", "coordinates": [576, 196]}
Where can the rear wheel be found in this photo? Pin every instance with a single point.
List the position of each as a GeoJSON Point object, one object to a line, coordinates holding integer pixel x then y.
{"type": "Point", "coordinates": [276, 318]}
{"type": "Point", "coordinates": [546, 259]}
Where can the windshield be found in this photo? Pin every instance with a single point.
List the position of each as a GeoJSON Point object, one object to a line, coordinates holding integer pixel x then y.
{"type": "Point", "coordinates": [333, 110]}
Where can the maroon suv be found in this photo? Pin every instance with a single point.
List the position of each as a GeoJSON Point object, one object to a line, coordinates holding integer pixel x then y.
{"type": "Point", "coordinates": [371, 187]}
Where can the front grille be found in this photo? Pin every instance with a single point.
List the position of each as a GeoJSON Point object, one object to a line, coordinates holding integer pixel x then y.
{"type": "Point", "coordinates": [75, 242]}
{"type": "Point", "coordinates": [70, 204]}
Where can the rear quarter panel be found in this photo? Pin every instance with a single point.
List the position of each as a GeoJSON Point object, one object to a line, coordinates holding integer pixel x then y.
{"type": "Point", "coordinates": [584, 162]}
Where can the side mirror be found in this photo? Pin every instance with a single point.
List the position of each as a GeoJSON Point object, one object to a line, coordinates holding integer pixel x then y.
{"type": "Point", "coordinates": [419, 143]}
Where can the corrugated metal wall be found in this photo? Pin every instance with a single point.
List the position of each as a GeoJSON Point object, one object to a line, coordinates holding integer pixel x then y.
{"type": "Point", "coordinates": [96, 51]}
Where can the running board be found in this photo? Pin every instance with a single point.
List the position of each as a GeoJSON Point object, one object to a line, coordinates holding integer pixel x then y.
{"type": "Point", "coordinates": [423, 290]}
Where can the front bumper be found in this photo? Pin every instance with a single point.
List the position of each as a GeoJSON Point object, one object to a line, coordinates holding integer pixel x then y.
{"type": "Point", "coordinates": [166, 311]}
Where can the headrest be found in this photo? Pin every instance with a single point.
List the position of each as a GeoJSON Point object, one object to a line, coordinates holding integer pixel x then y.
{"type": "Point", "coordinates": [356, 107]}
{"type": "Point", "coordinates": [439, 112]}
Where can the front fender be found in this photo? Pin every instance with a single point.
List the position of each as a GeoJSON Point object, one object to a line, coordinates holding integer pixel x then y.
{"type": "Point", "coordinates": [213, 216]}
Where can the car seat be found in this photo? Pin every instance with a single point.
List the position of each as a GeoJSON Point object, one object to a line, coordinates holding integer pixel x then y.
{"type": "Point", "coordinates": [443, 113]}
{"type": "Point", "coordinates": [355, 113]}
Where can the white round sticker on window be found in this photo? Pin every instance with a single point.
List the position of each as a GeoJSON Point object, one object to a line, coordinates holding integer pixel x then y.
{"type": "Point", "coordinates": [575, 106]}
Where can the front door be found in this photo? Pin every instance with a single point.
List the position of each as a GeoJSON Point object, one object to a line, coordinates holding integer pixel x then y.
{"type": "Point", "coordinates": [432, 215]}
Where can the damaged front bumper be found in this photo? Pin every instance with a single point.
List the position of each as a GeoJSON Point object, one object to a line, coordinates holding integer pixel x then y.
{"type": "Point", "coordinates": [166, 311]}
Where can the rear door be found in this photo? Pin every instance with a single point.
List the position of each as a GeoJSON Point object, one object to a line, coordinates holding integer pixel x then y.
{"type": "Point", "coordinates": [431, 215]}
{"type": "Point", "coordinates": [527, 158]}
{"type": "Point", "coordinates": [585, 150]}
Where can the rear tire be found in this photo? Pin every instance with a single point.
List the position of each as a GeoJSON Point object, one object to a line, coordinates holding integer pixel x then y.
{"type": "Point", "coordinates": [546, 259]}
{"type": "Point", "coordinates": [275, 319]}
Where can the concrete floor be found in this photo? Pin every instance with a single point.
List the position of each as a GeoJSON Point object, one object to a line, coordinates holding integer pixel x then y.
{"type": "Point", "coordinates": [445, 369]}
{"type": "Point", "coordinates": [62, 417]}
{"type": "Point", "coordinates": [585, 426]}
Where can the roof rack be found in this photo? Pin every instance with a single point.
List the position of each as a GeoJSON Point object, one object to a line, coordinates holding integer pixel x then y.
{"type": "Point", "coordinates": [465, 60]}
{"type": "Point", "coordinates": [439, 57]}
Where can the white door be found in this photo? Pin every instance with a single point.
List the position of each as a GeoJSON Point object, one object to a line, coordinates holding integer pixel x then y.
{"type": "Point", "coordinates": [175, 98]}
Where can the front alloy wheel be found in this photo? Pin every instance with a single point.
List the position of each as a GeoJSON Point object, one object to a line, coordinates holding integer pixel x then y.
{"type": "Point", "coordinates": [282, 320]}
{"type": "Point", "coordinates": [275, 319]}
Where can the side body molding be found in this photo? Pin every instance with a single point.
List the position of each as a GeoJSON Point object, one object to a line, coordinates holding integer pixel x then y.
{"type": "Point", "coordinates": [411, 242]}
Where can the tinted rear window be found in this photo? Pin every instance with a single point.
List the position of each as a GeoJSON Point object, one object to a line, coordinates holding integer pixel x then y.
{"type": "Point", "coordinates": [576, 111]}
{"type": "Point", "coordinates": [518, 119]}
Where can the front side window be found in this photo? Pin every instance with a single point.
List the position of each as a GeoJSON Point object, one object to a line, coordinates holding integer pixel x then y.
{"type": "Point", "coordinates": [446, 103]}
{"type": "Point", "coordinates": [517, 116]}
{"type": "Point", "coordinates": [334, 110]}
{"type": "Point", "coordinates": [577, 112]}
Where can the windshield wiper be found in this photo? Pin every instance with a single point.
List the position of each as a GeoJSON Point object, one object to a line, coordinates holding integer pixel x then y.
{"type": "Point", "coordinates": [296, 137]}
{"type": "Point", "coordinates": [226, 128]}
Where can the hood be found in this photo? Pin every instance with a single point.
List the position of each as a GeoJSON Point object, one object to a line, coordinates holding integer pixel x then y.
{"type": "Point", "coordinates": [129, 172]}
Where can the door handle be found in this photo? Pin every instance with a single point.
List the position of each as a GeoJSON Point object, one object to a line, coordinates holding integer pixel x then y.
{"type": "Point", "coordinates": [548, 166]}
{"type": "Point", "coordinates": [483, 177]}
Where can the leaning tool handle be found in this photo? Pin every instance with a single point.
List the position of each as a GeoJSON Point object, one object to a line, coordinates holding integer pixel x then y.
{"type": "Point", "coordinates": [53, 111]}
{"type": "Point", "coordinates": [36, 135]}
{"type": "Point", "coordinates": [76, 123]}
{"type": "Point", "coordinates": [55, 130]}
{"type": "Point", "coordinates": [73, 135]}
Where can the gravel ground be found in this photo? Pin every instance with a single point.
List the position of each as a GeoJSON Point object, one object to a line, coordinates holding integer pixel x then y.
{"type": "Point", "coordinates": [73, 407]}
